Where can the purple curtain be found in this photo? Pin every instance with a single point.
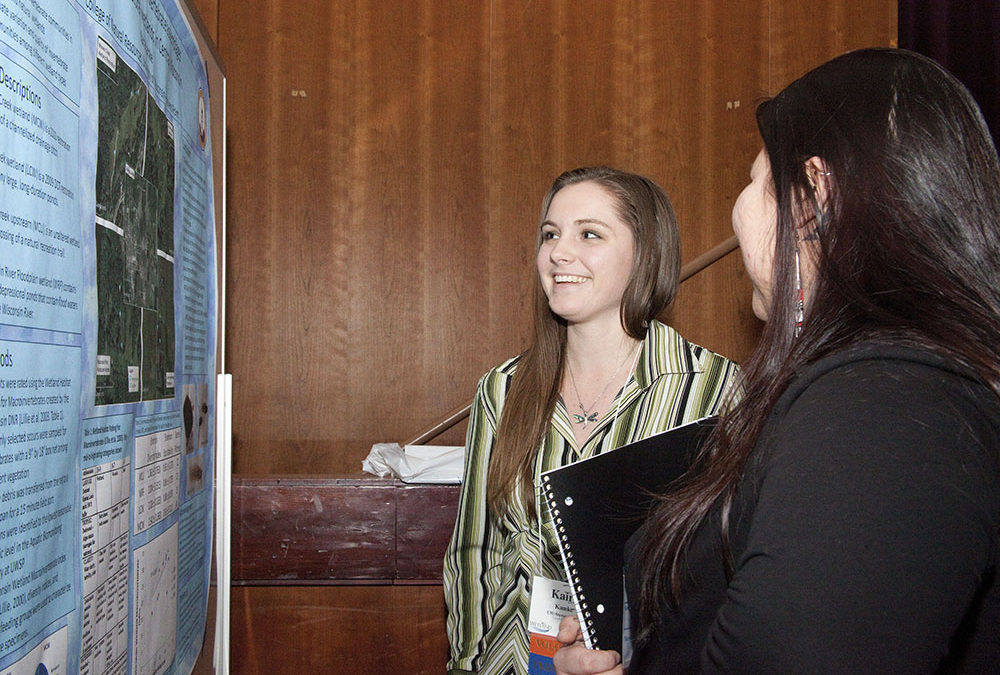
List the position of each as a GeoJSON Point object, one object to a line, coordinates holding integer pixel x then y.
{"type": "Point", "coordinates": [961, 35]}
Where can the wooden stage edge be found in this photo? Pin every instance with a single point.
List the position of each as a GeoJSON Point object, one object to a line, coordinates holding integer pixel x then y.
{"type": "Point", "coordinates": [325, 530]}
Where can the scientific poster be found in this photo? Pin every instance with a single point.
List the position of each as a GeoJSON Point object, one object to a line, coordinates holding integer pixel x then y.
{"type": "Point", "coordinates": [107, 338]}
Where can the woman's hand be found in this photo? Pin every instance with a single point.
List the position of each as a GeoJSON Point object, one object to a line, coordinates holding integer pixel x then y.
{"type": "Point", "coordinates": [573, 658]}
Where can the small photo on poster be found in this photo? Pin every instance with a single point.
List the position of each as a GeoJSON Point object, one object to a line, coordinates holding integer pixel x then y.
{"type": "Point", "coordinates": [189, 414]}
{"type": "Point", "coordinates": [202, 415]}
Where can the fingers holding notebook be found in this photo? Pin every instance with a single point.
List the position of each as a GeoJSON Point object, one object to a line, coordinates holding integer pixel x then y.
{"type": "Point", "coordinates": [573, 658]}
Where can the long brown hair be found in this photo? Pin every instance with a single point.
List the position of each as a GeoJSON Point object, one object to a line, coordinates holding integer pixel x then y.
{"type": "Point", "coordinates": [534, 389]}
{"type": "Point", "coordinates": [908, 253]}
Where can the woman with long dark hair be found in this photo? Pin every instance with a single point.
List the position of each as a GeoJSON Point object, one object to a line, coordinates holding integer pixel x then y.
{"type": "Point", "coordinates": [601, 372]}
{"type": "Point", "coordinates": [845, 516]}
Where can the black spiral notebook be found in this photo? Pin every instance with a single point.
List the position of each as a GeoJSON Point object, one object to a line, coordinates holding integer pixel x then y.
{"type": "Point", "coordinates": [597, 503]}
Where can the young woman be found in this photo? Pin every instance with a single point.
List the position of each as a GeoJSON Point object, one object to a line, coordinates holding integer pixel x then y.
{"type": "Point", "coordinates": [846, 517]}
{"type": "Point", "coordinates": [601, 372]}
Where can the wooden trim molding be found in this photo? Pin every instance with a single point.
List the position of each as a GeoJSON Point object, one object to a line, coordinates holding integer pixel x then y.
{"type": "Point", "coordinates": [339, 530]}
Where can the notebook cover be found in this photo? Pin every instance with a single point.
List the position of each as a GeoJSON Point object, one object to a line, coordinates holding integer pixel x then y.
{"type": "Point", "coordinates": [596, 504]}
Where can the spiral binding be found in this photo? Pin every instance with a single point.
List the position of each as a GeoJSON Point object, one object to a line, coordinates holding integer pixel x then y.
{"type": "Point", "coordinates": [570, 563]}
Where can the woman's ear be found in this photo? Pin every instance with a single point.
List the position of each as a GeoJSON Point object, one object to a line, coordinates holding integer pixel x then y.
{"type": "Point", "coordinates": [814, 202]}
{"type": "Point", "coordinates": [818, 176]}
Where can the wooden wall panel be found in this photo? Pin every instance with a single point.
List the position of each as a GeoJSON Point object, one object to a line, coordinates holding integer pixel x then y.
{"type": "Point", "coordinates": [204, 664]}
{"type": "Point", "coordinates": [338, 630]}
{"type": "Point", "coordinates": [208, 12]}
{"type": "Point", "coordinates": [356, 201]}
{"type": "Point", "coordinates": [696, 132]}
{"type": "Point", "coordinates": [833, 27]}
{"type": "Point", "coordinates": [419, 230]}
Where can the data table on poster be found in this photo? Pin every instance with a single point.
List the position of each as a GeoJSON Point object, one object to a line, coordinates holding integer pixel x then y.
{"type": "Point", "coordinates": [105, 527]}
{"type": "Point", "coordinates": [157, 477]}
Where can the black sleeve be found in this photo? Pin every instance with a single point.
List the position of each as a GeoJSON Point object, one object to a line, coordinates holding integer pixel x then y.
{"type": "Point", "coordinates": [875, 518]}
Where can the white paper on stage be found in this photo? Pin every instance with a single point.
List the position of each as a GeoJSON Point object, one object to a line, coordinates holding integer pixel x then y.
{"type": "Point", "coordinates": [416, 463]}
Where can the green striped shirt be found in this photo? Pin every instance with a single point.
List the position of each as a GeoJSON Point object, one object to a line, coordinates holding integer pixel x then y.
{"type": "Point", "coordinates": [489, 563]}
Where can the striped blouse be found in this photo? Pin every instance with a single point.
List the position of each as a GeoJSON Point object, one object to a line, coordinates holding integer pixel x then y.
{"type": "Point", "coordinates": [489, 563]}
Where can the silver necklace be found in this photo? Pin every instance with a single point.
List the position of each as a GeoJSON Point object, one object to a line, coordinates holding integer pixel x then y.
{"type": "Point", "coordinates": [589, 414]}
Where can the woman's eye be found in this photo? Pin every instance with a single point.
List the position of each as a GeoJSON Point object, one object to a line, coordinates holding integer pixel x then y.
{"type": "Point", "coordinates": [590, 234]}
{"type": "Point", "coordinates": [549, 234]}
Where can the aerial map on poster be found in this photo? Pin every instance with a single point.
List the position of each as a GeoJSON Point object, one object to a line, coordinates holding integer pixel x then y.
{"type": "Point", "coordinates": [107, 338]}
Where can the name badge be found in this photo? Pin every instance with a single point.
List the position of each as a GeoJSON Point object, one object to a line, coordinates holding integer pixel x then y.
{"type": "Point", "coordinates": [551, 600]}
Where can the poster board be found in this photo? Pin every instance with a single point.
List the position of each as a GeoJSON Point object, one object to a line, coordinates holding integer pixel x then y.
{"type": "Point", "coordinates": [109, 208]}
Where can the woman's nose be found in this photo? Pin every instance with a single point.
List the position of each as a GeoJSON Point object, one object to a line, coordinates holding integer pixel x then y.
{"type": "Point", "coordinates": [561, 251]}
